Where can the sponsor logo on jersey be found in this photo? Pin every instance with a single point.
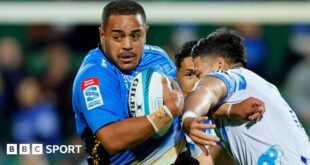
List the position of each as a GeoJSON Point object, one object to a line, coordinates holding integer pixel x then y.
{"type": "Point", "coordinates": [271, 156]}
{"type": "Point", "coordinates": [103, 63]}
{"type": "Point", "coordinates": [132, 95]}
{"type": "Point", "coordinates": [92, 93]}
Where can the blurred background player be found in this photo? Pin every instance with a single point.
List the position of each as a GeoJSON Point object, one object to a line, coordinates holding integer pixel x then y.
{"type": "Point", "coordinates": [36, 120]}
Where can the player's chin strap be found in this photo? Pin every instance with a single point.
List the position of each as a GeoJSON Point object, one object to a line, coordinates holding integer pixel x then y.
{"type": "Point", "coordinates": [160, 119]}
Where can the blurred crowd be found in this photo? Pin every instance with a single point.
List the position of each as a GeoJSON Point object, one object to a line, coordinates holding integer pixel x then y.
{"type": "Point", "coordinates": [35, 91]}
{"type": "Point", "coordinates": [37, 72]}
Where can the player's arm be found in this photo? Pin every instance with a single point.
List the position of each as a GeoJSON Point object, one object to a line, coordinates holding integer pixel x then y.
{"type": "Point", "coordinates": [122, 135]}
{"type": "Point", "coordinates": [217, 156]}
{"type": "Point", "coordinates": [208, 92]}
{"type": "Point", "coordinates": [249, 109]}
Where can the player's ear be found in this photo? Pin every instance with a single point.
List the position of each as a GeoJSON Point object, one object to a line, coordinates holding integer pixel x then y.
{"type": "Point", "coordinates": [146, 30]}
{"type": "Point", "coordinates": [101, 31]}
{"type": "Point", "coordinates": [221, 63]}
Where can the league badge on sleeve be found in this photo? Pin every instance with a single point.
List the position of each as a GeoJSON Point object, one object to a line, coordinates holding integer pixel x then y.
{"type": "Point", "coordinates": [92, 93]}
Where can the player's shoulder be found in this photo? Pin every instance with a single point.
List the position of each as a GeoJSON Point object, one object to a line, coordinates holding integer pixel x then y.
{"type": "Point", "coordinates": [155, 54]}
{"type": "Point", "coordinates": [94, 65]}
{"type": "Point", "coordinates": [157, 57]}
{"type": "Point", "coordinates": [95, 56]}
{"type": "Point", "coordinates": [96, 60]}
{"type": "Point", "coordinates": [151, 51]}
{"type": "Point", "coordinates": [230, 72]}
{"type": "Point", "coordinates": [233, 78]}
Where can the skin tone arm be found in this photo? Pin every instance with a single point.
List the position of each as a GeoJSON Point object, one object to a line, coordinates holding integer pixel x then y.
{"type": "Point", "coordinates": [125, 134]}
{"type": "Point", "coordinates": [128, 133]}
{"type": "Point", "coordinates": [219, 156]}
{"type": "Point", "coordinates": [208, 92]}
{"type": "Point", "coordinates": [250, 109]}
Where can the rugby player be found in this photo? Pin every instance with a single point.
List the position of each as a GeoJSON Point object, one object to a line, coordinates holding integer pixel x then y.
{"type": "Point", "coordinates": [276, 138]}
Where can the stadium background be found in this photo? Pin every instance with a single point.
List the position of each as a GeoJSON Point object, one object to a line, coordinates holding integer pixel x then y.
{"type": "Point", "coordinates": [42, 44]}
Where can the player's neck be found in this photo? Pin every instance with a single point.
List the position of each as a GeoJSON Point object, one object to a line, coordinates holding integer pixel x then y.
{"type": "Point", "coordinates": [235, 65]}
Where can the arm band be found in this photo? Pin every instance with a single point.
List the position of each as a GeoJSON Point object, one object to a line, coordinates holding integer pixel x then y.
{"type": "Point", "coordinates": [188, 114]}
{"type": "Point", "coordinates": [151, 121]}
{"type": "Point", "coordinates": [228, 111]}
{"type": "Point", "coordinates": [160, 119]}
{"type": "Point", "coordinates": [168, 111]}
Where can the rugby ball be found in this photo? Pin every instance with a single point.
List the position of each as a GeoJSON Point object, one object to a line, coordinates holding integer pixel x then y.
{"type": "Point", "coordinates": [146, 93]}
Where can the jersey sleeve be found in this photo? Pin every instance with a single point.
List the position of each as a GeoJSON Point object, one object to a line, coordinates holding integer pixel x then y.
{"type": "Point", "coordinates": [233, 80]}
{"type": "Point", "coordinates": [99, 98]}
{"type": "Point", "coordinates": [157, 57]}
{"type": "Point", "coordinates": [168, 66]}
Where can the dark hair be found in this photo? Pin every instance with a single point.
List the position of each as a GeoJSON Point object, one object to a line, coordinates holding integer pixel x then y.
{"type": "Point", "coordinates": [183, 52]}
{"type": "Point", "coordinates": [122, 7]}
{"type": "Point", "coordinates": [224, 43]}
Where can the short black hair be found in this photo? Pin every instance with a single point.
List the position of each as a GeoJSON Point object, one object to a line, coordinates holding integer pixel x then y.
{"type": "Point", "coordinates": [122, 7]}
{"type": "Point", "coordinates": [183, 52]}
{"type": "Point", "coordinates": [224, 43]}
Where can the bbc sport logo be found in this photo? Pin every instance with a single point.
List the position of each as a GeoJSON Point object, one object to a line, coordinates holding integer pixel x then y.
{"type": "Point", "coordinates": [39, 149]}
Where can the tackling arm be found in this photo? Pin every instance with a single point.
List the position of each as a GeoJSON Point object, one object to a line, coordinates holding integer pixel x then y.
{"type": "Point", "coordinates": [208, 92]}
{"type": "Point", "coordinates": [249, 109]}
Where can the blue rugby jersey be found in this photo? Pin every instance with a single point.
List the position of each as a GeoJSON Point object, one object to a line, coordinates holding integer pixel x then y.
{"type": "Point", "coordinates": [100, 97]}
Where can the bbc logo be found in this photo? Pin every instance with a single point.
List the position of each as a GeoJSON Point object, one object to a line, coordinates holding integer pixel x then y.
{"type": "Point", "coordinates": [37, 149]}
{"type": "Point", "coordinates": [24, 149]}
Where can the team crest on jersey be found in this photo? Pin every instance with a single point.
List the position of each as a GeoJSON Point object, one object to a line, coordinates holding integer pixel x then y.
{"type": "Point", "coordinates": [92, 93]}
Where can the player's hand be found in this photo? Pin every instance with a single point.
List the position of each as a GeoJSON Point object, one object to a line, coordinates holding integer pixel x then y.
{"type": "Point", "coordinates": [194, 127]}
{"type": "Point", "coordinates": [250, 109]}
{"type": "Point", "coordinates": [173, 98]}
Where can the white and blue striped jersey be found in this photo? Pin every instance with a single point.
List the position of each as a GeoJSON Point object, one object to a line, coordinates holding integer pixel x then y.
{"type": "Point", "coordinates": [277, 138]}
